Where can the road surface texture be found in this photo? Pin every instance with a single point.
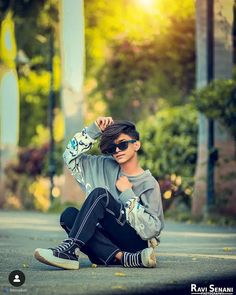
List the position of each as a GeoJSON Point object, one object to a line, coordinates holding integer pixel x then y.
{"type": "Point", "coordinates": [190, 257]}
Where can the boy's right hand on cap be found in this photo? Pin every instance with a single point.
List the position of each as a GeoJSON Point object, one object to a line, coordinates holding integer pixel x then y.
{"type": "Point", "coordinates": [103, 122]}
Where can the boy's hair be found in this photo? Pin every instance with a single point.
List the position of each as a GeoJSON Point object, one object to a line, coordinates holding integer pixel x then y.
{"type": "Point", "coordinates": [113, 131]}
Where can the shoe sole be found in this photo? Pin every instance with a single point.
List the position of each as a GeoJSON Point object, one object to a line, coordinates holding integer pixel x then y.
{"type": "Point", "coordinates": [152, 259]}
{"type": "Point", "coordinates": [46, 256]}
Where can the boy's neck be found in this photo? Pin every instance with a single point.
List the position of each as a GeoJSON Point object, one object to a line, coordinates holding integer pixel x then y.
{"type": "Point", "coordinates": [131, 167]}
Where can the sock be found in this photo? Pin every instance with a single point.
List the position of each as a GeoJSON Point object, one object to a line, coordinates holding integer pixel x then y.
{"type": "Point", "coordinates": [131, 259]}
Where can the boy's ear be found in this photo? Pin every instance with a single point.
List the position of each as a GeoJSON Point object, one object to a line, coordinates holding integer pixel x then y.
{"type": "Point", "coordinates": [137, 145]}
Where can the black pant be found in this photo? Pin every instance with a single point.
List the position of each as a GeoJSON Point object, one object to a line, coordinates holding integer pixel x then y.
{"type": "Point", "coordinates": [100, 227]}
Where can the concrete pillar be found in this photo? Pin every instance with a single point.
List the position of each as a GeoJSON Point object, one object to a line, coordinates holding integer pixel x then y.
{"type": "Point", "coordinates": [225, 174]}
{"type": "Point", "coordinates": [72, 52]}
{"type": "Point", "coordinates": [200, 189]}
{"type": "Point", "coordinates": [9, 99]}
{"type": "Point", "coordinates": [225, 169]}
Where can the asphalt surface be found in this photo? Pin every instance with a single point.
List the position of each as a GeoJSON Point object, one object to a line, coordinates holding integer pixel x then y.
{"type": "Point", "coordinates": [189, 255]}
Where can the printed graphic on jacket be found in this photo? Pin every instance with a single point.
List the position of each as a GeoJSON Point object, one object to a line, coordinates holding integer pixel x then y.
{"type": "Point", "coordinates": [79, 144]}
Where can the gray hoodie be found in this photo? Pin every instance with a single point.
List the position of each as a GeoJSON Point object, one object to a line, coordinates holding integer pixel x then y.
{"type": "Point", "coordinates": [103, 171]}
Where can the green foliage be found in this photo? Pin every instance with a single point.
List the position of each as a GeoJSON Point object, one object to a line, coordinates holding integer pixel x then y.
{"type": "Point", "coordinates": [106, 22]}
{"type": "Point", "coordinates": [102, 22]}
{"type": "Point", "coordinates": [27, 180]}
{"type": "Point", "coordinates": [139, 55]}
{"type": "Point", "coordinates": [27, 183]}
{"type": "Point", "coordinates": [137, 75]}
{"type": "Point", "coordinates": [34, 77]}
{"type": "Point", "coordinates": [169, 141]}
{"type": "Point", "coordinates": [139, 60]}
{"type": "Point", "coordinates": [169, 147]}
{"type": "Point", "coordinates": [20, 174]}
{"type": "Point", "coordinates": [34, 91]}
{"type": "Point", "coordinates": [41, 17]}
{"type": "Point", "coordinates": [218, 101]}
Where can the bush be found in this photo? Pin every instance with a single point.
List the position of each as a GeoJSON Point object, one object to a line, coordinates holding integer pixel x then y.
{"type": "Point", "coordinates": [136, 77]}
{"type": "Point", "coordinates": [27, 180]}
{"type": "Point", "coordinates": [169, 150]}
{"type": "Point", "coordinates": [218, 102]}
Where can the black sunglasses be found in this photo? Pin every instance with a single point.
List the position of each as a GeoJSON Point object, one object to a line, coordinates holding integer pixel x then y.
{"type": "Point", "coordinates": [122, 146]}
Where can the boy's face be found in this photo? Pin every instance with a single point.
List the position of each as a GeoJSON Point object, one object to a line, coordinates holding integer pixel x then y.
{"type": "Point", "coordinates": [124, 156]}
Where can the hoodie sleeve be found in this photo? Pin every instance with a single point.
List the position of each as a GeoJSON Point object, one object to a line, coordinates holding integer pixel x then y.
{"type": "Point", "coordinates": [147, 215]}
{"type": "Point", "coordinates": [75, 156]}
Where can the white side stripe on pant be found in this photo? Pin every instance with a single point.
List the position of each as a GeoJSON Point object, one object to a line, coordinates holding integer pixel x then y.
{"type": "Point", "coordinates": [88, 213]}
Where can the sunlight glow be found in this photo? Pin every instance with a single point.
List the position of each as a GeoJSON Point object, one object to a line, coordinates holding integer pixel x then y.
{"type": "Point", "coordinates": [146, 3]}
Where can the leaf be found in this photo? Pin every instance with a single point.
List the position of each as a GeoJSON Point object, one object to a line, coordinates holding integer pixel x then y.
{"type": "Point", "coordinates": [119, 287]}
{"type": "Point", "coordinates": [94, 265]}
{"type": "Point", "coordinates": [227, 249]}
{"type": "Point", "coordinates": [120, 274]}
{"type": "Point", "coordinates": [25, 265]}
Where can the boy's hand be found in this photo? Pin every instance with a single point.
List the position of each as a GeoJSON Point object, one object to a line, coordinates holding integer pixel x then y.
{"type": "Point", "coordinates": [123, 184]}
{"type": "Point", "coordinates": [103, 122]}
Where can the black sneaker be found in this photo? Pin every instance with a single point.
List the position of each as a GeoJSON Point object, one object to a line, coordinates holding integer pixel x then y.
{"type": "Point", "coordinates": [65, 255]}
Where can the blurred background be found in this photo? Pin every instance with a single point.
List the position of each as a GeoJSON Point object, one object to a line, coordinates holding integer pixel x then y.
{"type": "Point", "coordinates": [166, 65]}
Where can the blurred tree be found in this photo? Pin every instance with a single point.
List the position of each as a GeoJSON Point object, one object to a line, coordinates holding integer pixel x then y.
{"type": "Point", "coordinates": [137, 75]}
{"type": "Point", "coordinates": [103, 21]}
{"type": "Point", "coordinates": [4, 6]}
{"type": "Point", "coordinates": [40, 16]}
{"type": "Point", "coordinates": [137, 56]}
{"type": "Point", "coordinates": [169, 141]}
{"type": "Point", "coordinates": [217, 101]}
{"type": "Point", "coordinates": [34, 89]}
{"type": "Point", "coordinates": [34, 21]}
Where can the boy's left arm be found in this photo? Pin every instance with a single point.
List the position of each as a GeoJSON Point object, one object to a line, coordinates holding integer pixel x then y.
{"type": "Point", "coordinates": [145, 214]}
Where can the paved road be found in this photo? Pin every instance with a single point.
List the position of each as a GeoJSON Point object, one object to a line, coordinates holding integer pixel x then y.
{"type": "Point", "coordinates": [188, 254]}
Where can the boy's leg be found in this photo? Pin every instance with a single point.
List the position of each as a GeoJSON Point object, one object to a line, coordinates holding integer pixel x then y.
{"type": "Point", "coordinates": [68, 217]}
{"type": "Point", "coordinates": [100, 205]}
{"type": "Point", "coordinates": [99, 248]}
{"type": "Point", "coordinates": [103, 208]}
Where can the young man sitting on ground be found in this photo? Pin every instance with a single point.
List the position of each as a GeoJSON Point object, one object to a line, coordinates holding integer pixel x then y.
{"type": "Point", "coordinates": [121, 218]}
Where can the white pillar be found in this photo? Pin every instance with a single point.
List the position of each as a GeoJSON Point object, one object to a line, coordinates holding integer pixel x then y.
{"type": "Point", "coordinates": [72, 53]}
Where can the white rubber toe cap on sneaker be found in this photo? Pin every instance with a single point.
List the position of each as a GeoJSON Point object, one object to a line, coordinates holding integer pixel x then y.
{"type": "Point", "coordinates": [46, 256]}
{"type": "Point", "coordinates": [148, 257]}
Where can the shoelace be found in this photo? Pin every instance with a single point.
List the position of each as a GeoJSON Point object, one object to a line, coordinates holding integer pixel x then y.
{"type": "Point", "coordinates": [66, 244]}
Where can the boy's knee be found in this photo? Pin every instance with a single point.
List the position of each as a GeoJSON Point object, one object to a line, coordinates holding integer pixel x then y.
{"type": "Point", "coordinates": [68, 213]}
{"type": "Point", "coordinates": [98, 191]}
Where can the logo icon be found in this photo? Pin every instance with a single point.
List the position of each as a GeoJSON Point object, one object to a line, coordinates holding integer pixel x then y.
{"type": "Point", "coordinates": [16, 278]}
